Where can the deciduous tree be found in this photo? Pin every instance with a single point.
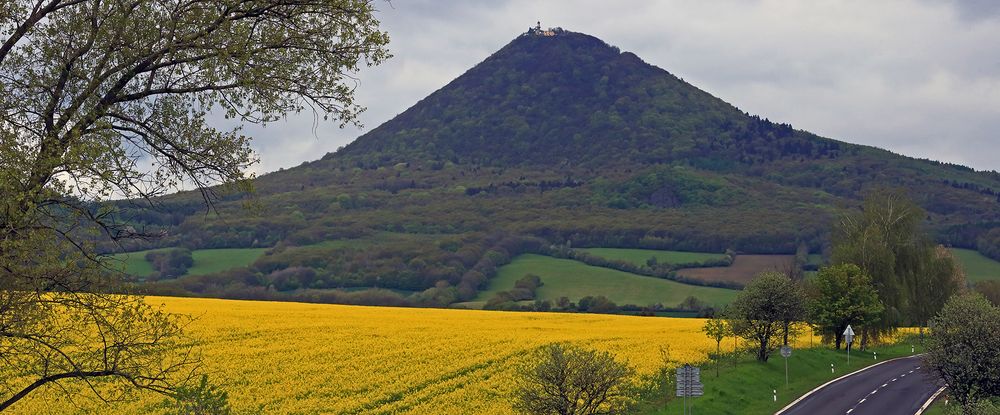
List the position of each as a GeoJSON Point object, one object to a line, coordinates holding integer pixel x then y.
{"type": "Point", "coordinates": [717, 329]}
{"type": "Point", "coordinates": [840, 295]}
{"type": "Point", "coordinates": [887, 241]}
{"type": "Point", "coordinates": [963, 349]}
{"type": "Point", "coordinates": [112, 99]}
{"type": "Point", "coordinates": [567, 380]}
{"type": "Point", "coordinates": [759, 313]}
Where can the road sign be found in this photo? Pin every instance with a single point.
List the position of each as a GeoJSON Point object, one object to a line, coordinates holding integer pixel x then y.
{"type": "Point", "coordinates": [689, 381]}
{"type": "Point", "coordinates": [849, 337]}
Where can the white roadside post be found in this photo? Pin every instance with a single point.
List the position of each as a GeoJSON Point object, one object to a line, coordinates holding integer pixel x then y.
{"type": "Point", "coordinates": [849, 337]}
{"type": "Point", "coordinates": [775, 392]}
{"type": "Point", "coordinates": [831, 367]}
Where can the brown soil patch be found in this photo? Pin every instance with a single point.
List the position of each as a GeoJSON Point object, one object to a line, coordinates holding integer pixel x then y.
{"type": "Point", "coordinates": [744, 268]}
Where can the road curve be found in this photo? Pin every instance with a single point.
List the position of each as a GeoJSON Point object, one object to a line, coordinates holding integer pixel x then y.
{"type": "Point", "coordinates": [897, 387]}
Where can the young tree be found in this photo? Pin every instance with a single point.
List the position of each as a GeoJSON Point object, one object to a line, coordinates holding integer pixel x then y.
{"type": "Point", "coordinates": [107, 99]}
{"type": "Point", "coordinates": [963, 349]}
{"type": "Point", "coordinates": [840, 295]}
{"type": "Point", "coordinates": [716, 329]}
{"type": "Point", "coordinates": [761, 312]}
{"type": "Point", "coordinates": [567, 380]}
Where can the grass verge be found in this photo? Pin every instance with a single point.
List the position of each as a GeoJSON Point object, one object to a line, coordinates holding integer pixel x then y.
{"type": "Point", "coordinates": [747, 388]}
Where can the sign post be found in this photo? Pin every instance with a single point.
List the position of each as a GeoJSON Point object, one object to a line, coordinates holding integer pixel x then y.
{"type": "Point", "coordinates": [849, 337]}
{"type": "Point", "coordinates": [689, 383]}
{"type": "Point", "coordinates": [786, 351]}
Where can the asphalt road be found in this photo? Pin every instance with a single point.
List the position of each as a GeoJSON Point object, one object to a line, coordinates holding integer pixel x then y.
{"type": "Point", "coordinates": [898, 387]}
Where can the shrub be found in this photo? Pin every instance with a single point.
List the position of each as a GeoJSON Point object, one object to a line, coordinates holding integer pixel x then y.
{"type": "Point", "coordinates": [567, 380]}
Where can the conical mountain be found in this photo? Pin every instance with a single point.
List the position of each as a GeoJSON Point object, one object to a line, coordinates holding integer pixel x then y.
{"type": "Point", "coordinates": [572, 98]}
{"type": "Point", "coordinates": [556, 140]}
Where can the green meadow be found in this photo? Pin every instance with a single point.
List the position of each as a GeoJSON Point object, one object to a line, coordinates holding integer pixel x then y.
{"type": "Point", "coordinates": [574, 279]}
{"type": "Point", "coordinates": [977, 267]}
{"type": "Point", "coordinates": [206, 261]}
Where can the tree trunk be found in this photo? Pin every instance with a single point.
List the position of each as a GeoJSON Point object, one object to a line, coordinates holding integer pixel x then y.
{"type": "Point", "coordinates": [718, 356]}
{"type": "Point", "coordinates": [839, 338]}
{"type": "Point", "coordinates": [762, 354]}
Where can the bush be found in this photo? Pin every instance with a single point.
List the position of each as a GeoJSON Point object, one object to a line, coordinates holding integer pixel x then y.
{"type": "Point", "coordinates": [566, 380]}
{"type": "Point", "coordinates": [201, 399]}
{"type": "Point", "coordinates": [963, 349]}
{"type": "Point", "coordinates": [529, 282]}
{"type": "Point", "coordinates": [500, 301]}
{"type": "Point", "coordinates": [692, 303]}
{"type": "Point", "coordinates": [599, 304]}
{"type": "Point", "coordinates": [292, 278]}
{"type": "Point", "coordinates": [990, 290]}
{"type": "Point", "coordinates": [169, 263]}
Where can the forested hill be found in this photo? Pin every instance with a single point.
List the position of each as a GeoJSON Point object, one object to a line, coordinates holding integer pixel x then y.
{"type": "Point", "coordinates": [558, 141]}
{"type": "Point", "coordinates": [574, 99]}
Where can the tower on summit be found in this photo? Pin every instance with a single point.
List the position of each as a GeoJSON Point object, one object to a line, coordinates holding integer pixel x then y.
{"type": "Point", "coordinates": [538, 31]}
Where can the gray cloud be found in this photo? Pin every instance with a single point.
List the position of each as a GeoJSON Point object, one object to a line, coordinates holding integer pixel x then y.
{"type": "Point", "coordinates": [919, 77]}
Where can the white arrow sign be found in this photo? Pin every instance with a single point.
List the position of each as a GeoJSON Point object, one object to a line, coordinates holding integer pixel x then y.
{"type": "Point", "coordinates": [849, 334]}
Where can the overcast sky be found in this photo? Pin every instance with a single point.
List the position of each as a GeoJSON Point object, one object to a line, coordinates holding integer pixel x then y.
{"type": "Point", "coordinates": [918, 77]}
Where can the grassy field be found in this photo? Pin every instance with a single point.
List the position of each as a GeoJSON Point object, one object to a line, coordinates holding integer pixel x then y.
{"type": "Point", "coordinates": [640, 256]}
{"type": "Point", "coordinates": [134, 263]}
{"type": "Point", "coordinates": [206, 261]}
{"type": "Point", "coordinates": [731, 393]}
{"type": "Point", "coordinates": [977, 267]}
{"type": "Point", "coordinates": [573, 279]}
{"type": "Point", "coordinates": [296, 358]}
{"type": "Point", "coordinates": [744, 268]}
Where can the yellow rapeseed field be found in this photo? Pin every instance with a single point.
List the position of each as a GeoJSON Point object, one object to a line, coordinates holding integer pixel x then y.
{"type": "Point", "coordinates": [293, 358]}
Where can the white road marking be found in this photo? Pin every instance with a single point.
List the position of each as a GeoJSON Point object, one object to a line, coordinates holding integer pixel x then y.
{"type": "Point", "coordinates": [873, 392]}
{"type": "Point", "coordinates": [911, 371]}
{"type": "Point", "coordinates": [884, 385]}
{"type": "Point", "coordinates": [862, 400]}
{"type": "Point", "coordinates": [850, 410]}
{"type": "Point", "coordinates": [903, 375]}
{"type": "Point", "coordinates": [894, 379]}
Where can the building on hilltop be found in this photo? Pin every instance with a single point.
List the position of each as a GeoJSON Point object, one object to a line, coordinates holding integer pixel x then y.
{"type": "Point", "coordinates": [538, 31]}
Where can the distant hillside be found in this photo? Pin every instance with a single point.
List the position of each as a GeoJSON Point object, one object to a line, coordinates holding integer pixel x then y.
{"type": "Point", "coordinates": [554, 142]}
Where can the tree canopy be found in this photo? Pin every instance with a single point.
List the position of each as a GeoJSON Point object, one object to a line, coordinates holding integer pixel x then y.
{"type": "Point", "coordinates": [963, 348]}
{"type": "Point", "coordinates": [762, 311]}
{"type": "Point", "coordinates": [109, 99]}
{"type": "Point", "coordinates": [888, 241]}
{"type": "Point", "coordinates": [842, 295]}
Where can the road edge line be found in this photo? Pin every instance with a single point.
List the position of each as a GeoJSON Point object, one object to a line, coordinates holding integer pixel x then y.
{"type": "Point", "coordinates": [787, 407]}
{"type": "Point", "coordinates": [930, 401]}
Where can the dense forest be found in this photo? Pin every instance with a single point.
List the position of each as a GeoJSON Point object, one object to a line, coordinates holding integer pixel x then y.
{"type": "Point", "coordinates": [560, 141]}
